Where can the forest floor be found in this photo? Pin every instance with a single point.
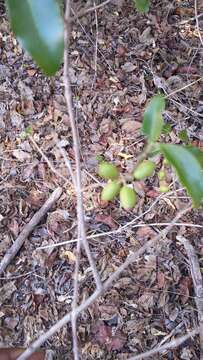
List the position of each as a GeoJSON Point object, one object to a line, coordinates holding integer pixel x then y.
{"type": "Point", "coordinates": [119, 60]}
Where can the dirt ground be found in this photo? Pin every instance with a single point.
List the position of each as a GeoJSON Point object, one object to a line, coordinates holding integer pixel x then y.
{"type": "Point", "coordinates": [119, 59]}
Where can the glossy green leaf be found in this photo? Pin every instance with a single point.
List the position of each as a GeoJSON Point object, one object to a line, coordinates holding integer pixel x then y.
{"type": "Point", "coordinates": [153, 121]}
{"type": "Point", "coordinates": [38, 25]}
{"type": "Point", "coordinates": [142, 5]}
{"type": "Point", "coordinates": [197, 153]}
{"type": "Point", "coordinates": [188, 168]}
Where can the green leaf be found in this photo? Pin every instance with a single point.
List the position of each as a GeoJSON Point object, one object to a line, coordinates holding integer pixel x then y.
{"type": "Point", "coordinates": [183, 136]}
{"type": "Point", "coordinates": [197, 153]}
{"type": "Point", "coordinates": [188, 167]}
{"type": "Point", "coordinates": [166, 129]}
{"type": "Point", "coordinates": [153, 121]}
{"type": "Point", "coordinates": [142, 5]}
{"type": "Point", "coordinates": [38, 25]}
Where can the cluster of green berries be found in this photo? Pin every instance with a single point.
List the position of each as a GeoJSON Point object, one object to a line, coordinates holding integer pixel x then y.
{"type": "Point", "coordinates": [114, 187]}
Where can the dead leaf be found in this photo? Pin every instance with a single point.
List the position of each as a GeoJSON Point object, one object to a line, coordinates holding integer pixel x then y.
{"type": "Point", "coordinates": [128, 67]}
{"type": "Point", "coordinates": [6, 291]}
{"type": "Point", "coordinates": [152, 194]}
{"type": "Point", "coordinates": [36, 198]}
{"type": "Point", "coordinates": [104, 335]}
{"type": "Point", "coordinates": [146, 37]}
{"type": "Point", "coordinates": [68, 254]}
{"type": "Point", "coordinates": [27, 107]}
{"type": "Point", "coordinates": [31, 72]}
{"type": "Point", "coordinates": [185, 285]}
{"type": "Point", "coordinates": [131, 126]}
{"type": "Point", "coordinates": [187, 69]}
{"type": "Point", "coordinates": [121, 50]}
{"type": "Point", "coordinates": [16, 119]}
{"type": "Point", "coordinates": [161, 280]}
{"type": "Point", "coordinates": [14, 353]}
{"type": "Point", "coordinates": [21, 155]}
{"type": "Point", "coordinates": [146, 301]}
{"type": "Point", "coordinates": [125, 156]}
{"type": "Point", "coordinates": [106, 127]}
{"type": "Point", "coordinates": [14, 227]}
{"type": "Point", "coordinates": [107, 220]}
{"type": "Point", "coordinates": [144, 232]}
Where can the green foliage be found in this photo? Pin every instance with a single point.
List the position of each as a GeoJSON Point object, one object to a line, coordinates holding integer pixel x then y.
{"type": "Point", "coordinates": [27, 132]}
{"type": "Point", "coordinates": [142, 5]}
{"type": "Point", "coordinates": [110, 191]}
{"type": "Point", "coordinates": [188, 167]}
{"type": "Point", "coordinates": [38, 25]}
{"type": "Point", "coordinates": [128, 197]}
{"type": "Point", "coordinates": [108, 171]}
{"type": "Point", "coordinates": [186, 160]}
{"type": "Point", "coordinates": [197, 153]}
{"type": "Point", "coordinates": [183, 136]}
{"type": "Point", "coordinates": [144, 169]}
{"type": "Point", "coordinates": [153, 121]}
{"type": "Point", "coordinates": [166, 129]}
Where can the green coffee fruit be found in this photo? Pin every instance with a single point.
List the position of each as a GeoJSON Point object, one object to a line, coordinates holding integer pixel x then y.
{"type": "Point", "coordinates": [108, 171]}
{"type": "Point", "coordinates": [128, 197]}
{"type": "Point", "coordinates": [144, 169]}
{"type": "Point", "coordinates": [110, 191]}
{"type": "Point", "coordinates": [163, 187]}
{"type": "Point", "coordinates": [161, 174]}
{"type": "Point", "coordinates": [166, 162]}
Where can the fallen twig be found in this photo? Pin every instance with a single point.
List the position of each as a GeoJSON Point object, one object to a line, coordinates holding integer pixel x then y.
{"type": "Point", "coordinates": [52, 168]}
{"type": "Point", "coordinates": [10, 254]}
{"type": "Point", "coordinates": [106, 285]}
{"type": "Point", "coordinates": [197, 283]}
{"type": "Point", "coordinates": [170, 345]}
{"type": "Point", "coordinates": [84, 12]}
{"type": "Point", "coordinates": [197, 22]}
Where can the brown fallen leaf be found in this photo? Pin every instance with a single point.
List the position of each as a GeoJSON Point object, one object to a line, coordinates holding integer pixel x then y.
{"type": "Point", "coordinates": [187, 69]}
{"type": "Point", "coordinates": [152, 194]}
{"type": "Point", "coordinates": [104, 335]}
{"type": "Point", "coordinates": [31, 72]}
{"type": "Point", "coordinates": [144, 232]}
{"type": "Point", "coordinates": [14, 353]}
{"type": "Point", "coordinates": [185, 285]}
{"type": "Point", "coordinates": [121, 50]}
{"type": "Point", "coordinates": [160, 280]}
{"type": "Point", "coordinates": [21, 155]}
{"type": "Point", "coordinates": [131, 126]}
{"type": "Point", "coordinates": [107, 220]}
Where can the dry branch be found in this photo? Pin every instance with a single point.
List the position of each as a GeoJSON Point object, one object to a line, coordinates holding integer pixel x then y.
{"type": "Point", "coordinates": [76, 145]}
{"type": "Point", "coordinates": [107, 284]}
{"type": "Point", "coordinates": [11, 253]}
{"type": "Point", "coordinates": [197, 283]}
{"type": "Point", "coordinates": [197, 22]}
{"type": "Point", "coordinates": [52, 168]}
{"type": "Point", "coordinates": [170, 345]}
{"type": "Point", "coordinates": [84, 12]}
